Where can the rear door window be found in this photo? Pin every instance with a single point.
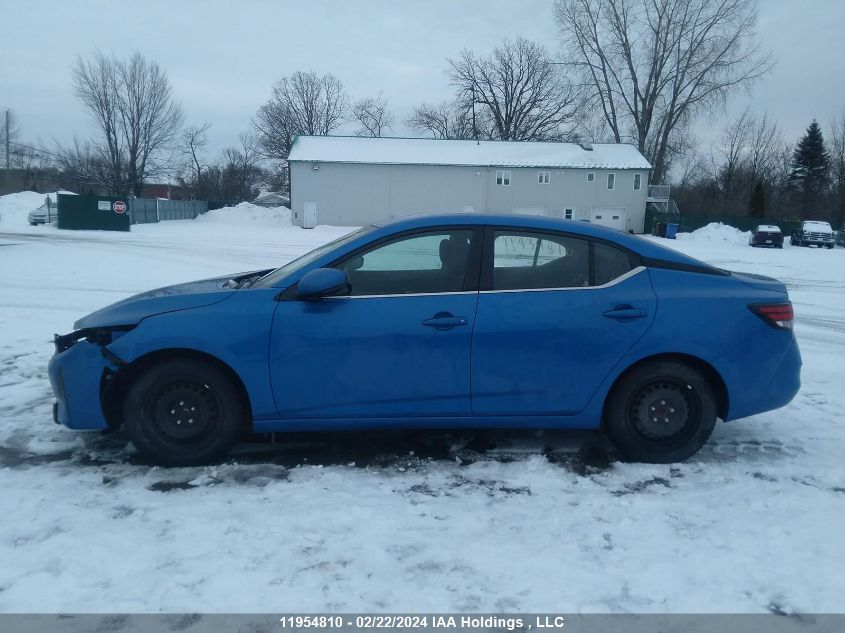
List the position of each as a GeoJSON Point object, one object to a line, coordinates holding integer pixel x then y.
{"type": "Point", "coordinates": [527, 260]}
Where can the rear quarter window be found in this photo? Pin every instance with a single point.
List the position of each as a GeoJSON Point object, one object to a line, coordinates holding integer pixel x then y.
{"type": "Point", "coordinates": [610, 263]}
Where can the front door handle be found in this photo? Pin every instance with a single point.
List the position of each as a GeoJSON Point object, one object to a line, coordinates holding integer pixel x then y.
{"type": "Point", "coordinates": [625, 313]}
{"type": "Point", "coordinates": [445, 321]}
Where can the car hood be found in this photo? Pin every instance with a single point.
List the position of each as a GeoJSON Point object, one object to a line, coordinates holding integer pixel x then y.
{"type": "Point", "coordinates": [194, 294]}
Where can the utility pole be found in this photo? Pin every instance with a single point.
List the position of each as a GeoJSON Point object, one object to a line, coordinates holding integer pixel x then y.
{"type": "Point", "coordinates": [8, 134]}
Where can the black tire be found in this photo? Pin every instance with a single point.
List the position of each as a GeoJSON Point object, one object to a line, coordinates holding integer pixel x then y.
{"type": "Point", "coordinates": [680, 399]}
{"type": "Point", "coordinates": [183, 412]}
{"type": "Point", "coordinates": [830, 245]}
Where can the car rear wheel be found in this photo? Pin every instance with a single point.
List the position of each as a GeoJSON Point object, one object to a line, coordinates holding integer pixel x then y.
{"type": "Point", "coordinates": [660, 412]}
{"type": "Point", "coordinates": [183, 412]}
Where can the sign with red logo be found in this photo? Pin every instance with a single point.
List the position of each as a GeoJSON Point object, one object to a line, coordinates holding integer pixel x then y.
{"type": "Point", "coordinates": [119, 207]}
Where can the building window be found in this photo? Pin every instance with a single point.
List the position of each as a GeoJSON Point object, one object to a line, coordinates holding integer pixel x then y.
{"type": "Point", "coordinates": [543, 177]}
{"type": "Point", "coordinates": [638, 182]}
{"type": "Point", "coordinates": [503, 178]}
{"type": "Point", "coordinates": [590, 176]}
{"type": "Point", "coordinates": [567, 213]}
{"type": "Point", "coordinates": [611, 182]}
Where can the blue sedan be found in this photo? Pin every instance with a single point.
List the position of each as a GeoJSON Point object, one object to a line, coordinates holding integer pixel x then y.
{"type": "Point", "coordinates": [446, 321]}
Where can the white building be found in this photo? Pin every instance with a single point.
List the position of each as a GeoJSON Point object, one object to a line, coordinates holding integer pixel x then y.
{"type": "Point", "coordinates": [354, 181]}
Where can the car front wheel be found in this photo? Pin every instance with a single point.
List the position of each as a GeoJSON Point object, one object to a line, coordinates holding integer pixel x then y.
{"type": "Point", "coordinates": [183, 412]}
{"type": "Point", "coordinates": [660, 412]}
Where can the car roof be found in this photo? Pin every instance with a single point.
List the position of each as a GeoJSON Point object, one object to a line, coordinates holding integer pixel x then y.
{"type": "Point", "coordinates": [637, 244]}
{"type": "Point", "coordinates": [501, 219]}
{"type": "Point", "coordinates": [767, 227]}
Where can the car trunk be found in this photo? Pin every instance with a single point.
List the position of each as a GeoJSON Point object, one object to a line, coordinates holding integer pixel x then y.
{"type": "Point", "coordinates": [759, 281]}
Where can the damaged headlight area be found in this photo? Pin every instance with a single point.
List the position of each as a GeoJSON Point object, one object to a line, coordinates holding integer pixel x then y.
{"type": "Point", "coordinates": [101, 336]}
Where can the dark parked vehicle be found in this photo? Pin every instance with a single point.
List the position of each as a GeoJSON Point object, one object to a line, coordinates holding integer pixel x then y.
{"type": "Point", "coordinates": [766, 235]}
{"type": "Point", "coordinates": [813, 232]}
{"type": "Point", "coordinates": [840, 237]}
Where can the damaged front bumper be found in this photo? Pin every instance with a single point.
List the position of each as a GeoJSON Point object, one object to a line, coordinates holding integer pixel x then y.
{"type": "Point", "coordinates": [77, 374]}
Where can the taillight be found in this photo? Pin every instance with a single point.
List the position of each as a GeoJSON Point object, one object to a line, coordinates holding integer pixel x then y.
{"type": "Point", "coordinates": [777, 315]}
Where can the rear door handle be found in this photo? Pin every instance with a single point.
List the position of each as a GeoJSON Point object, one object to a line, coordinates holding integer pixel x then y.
{"type": "Point", "coordinates": [626, 313]}
{"type": "Point", "coordinates": [445, 321]}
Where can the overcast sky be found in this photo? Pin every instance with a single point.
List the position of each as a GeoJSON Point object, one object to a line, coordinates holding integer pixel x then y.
{"type": "Point", "coordinates": [223, 56]}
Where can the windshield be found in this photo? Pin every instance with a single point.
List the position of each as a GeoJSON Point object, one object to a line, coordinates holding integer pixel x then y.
{"type": "Point", "coordinates": [270, 280]}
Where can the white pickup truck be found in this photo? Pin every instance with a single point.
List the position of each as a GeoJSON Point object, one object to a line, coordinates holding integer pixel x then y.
{"type": "Point", "coordinates": [813, 232]}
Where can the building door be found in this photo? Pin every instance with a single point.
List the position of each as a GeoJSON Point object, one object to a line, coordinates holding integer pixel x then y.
{"type": "Point", "coordinates": [612, 217]}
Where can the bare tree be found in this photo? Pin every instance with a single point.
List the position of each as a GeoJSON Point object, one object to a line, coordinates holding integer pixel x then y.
{"type": "Point", "coordinates": [733, 149]}
{"type": "Point", "coordinates": [373, 115]}
{"type": "Point", "coordinates": [837, 164]}
{"type": "Point", "coordinates": [14, 154]}
{"type": "Point", "coordinates": [194, 140]}
{"type": "Point", "coordinates": [132, 104]}
{"type": "Point", "coordinates": [520, 90]}
{"type": "Point", "coordinates": [87, 166]}
{"type": "Point", "coordinates": [9, 132]}
{"type": "Point", "coordinates": [302, 104]}
{"type": "Point", "coordinates": [693, 170]}
{"type": "Point", "coordinates": [652, 65]}
{"type": "Point", "coordinates": [764, 146]}
{"type": "Point", "coordinates": [444, 120]}
{"type": "Point", "coordinates": [241, 173]}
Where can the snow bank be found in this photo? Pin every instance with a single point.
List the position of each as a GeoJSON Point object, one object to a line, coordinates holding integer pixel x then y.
{"type": "Point", "coordinates": [14, 207]}
{"type": "Point", "coordinates": [716, 232]}
{"type": "Point", "coordinates": [247, 213]}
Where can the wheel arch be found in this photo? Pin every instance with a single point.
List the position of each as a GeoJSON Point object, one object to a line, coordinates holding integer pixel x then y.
{"type": "Point", "coordinates": [114, 386]}
{"type": "Point", "coordinates": [713, 377]}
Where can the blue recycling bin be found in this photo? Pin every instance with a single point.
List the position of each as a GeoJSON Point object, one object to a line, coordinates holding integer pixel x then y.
{"type": "Point", "coordinates": [671, 230]}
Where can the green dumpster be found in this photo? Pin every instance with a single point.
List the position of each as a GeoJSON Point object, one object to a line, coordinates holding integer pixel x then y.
{"type": "Point", "coordinates": [99, 213]}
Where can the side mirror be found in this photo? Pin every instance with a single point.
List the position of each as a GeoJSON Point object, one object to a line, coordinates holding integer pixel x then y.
{"type": "Point", "coordinates": [322, 282]}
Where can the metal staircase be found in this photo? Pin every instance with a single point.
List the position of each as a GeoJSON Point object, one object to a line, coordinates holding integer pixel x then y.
{"type": "Point", "coordinates": [659, 200]}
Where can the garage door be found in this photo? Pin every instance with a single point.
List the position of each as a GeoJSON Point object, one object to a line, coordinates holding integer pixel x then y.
{"type": "Point", "coordinates": [526, 210]}
{"type": "Point", "coordinates": [613, 217]}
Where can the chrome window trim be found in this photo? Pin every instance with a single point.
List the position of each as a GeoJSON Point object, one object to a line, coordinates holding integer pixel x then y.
{"type": "Point", "coordinates": [618, 280]}
{"type": "Point", "coordinates": [613, 282]}
{"type": "Point", "coordinates": [404, 294]}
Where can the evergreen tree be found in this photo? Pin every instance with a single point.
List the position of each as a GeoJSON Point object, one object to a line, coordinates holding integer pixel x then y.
{"type": "Point", "coordinates": [810, 175]}
{"type": "Point", "coordinates": [758, 201]}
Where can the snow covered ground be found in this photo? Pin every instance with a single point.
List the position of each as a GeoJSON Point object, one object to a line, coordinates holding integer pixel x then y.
{"type": "Point", "coordinates": [392, 522]}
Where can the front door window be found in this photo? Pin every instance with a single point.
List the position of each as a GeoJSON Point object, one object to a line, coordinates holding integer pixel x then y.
{"type": "Point", "coordinates": [421, 263]}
